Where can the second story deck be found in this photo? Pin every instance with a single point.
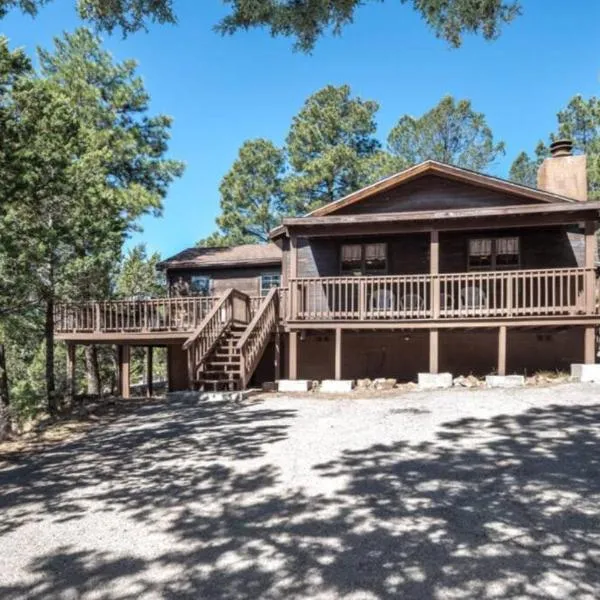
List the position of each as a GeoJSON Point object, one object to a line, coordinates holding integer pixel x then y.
{"type": "Point", "coordinates": [452, 299]}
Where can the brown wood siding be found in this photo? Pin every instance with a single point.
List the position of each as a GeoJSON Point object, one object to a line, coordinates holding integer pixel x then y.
{"type": "Point", "coordinates": [432, 193]}
{"type": "Point", "coordinates": [409, 254]}
{"type": "Point", "coordinates": [177, 368]}
{"type": "Point", "coordinates": [246, 279]}
{"type": "Point", "coordinates": [403, 354]}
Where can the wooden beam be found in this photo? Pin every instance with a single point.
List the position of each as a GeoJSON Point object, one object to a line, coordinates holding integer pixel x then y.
{"type": "Point", "coordinates": [71, 383]}
{"type": "Point", "coordinates": [589, 350]}
{"type": "Point", "coordinates": [434, 338]}
{"type": "Point", "coordinates": [293, 267]}
{"type": "Point", "coordinates": [591, 252]}
{"type": "Point", "coordinates": [293, 355]}
{"type": "Point", "coordinates": [149, 368]}
{"type": "Point", "coordinates": [277, 361]}
{"type": "Point", "coordinates": [502, 350]}
{"type": "Point", "coordinates": [398, 226]}
{"type": "Point", "coordinates": [124, 357]}
{"type": "Point", "coordinates": [338, 353]}
{"type": "Point", "coordinates": [462, 323]}
{"type": "Point", "coordinates": [434, 269]}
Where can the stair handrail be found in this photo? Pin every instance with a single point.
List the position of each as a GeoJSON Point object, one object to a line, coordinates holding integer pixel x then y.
{"type": "Point", "coordinates": [204, 338]}
{"type": "Point", "coordinates": [254, 340]}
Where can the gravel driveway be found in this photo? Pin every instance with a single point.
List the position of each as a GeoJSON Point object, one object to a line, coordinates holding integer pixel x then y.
{"type": "Point", "coordinates": [458, 494]}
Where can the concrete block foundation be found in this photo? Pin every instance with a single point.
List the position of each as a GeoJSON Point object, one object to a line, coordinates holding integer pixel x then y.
{"type": "Point", "coordinates": [585, 373]}
{"type": "Point", "coordinates": [294, 385]}
{"type": "Point", "coordinates": [504, 381]}
{"type": "Point", "coordinates": [434, 381]}
{"type": "Point", "coordinates": [336, 386]}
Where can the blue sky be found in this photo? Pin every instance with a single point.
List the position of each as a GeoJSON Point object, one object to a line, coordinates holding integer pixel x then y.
{"type": "Point", "coordinates": [222, 91]}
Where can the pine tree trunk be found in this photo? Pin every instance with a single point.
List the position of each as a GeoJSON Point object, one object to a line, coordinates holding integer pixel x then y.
{"type": "Point", "coordinates": [5, 424]}
{"type": "Point", "coordinates": [92, 370]}
{"type": "Point", "coordinates": [49, 339]}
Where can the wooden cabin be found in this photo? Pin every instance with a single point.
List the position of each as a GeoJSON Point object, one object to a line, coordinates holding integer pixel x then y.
{"type": "Point", "coordinates": [436, 268]}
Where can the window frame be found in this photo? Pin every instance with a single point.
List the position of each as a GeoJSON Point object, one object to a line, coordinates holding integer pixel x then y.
{"type": "Point", "coordinates": [494, 254]}
{"type": "Point", "coordinates": [265, 291]}
{"type": "Point", "coordinates": [197, 292]}
{"type": "Point", "coordinates": [364, 271]}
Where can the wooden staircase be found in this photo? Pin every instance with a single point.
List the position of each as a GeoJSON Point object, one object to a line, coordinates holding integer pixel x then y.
{"type": "Point", "coordinates": [226, 348]}
{"type": "Point", "coordinates": [221, 370]}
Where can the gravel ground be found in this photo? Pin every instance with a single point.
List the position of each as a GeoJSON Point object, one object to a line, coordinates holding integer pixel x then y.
{"type": "Point", "coordinates": [455, 494]}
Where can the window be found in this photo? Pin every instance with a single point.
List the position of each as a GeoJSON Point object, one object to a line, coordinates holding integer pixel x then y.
{"type": "Point", "coordinates": [491, 254]}
{"type": "Point", "coordinates": [269, 281]}
{"type": "Point", "coordinates": [200, 285]}
{"type": "Point", "coordinates": [363, 259]}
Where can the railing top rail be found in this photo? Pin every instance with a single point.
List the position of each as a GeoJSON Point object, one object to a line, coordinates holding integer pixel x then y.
{"type": "Point", "coordinates": [214, 310]}
{"type": "Point", "coordinates": [272, 296]}
{"type": "Point", "coordinates": [117, 301]}
{"type": "Point", "coordinates": [497, 273]}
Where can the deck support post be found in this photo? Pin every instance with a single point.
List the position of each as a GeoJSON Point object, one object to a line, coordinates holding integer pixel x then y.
{"type": "Point", "coordinates": [124, 355]}
{"type": "Point", "coordinates": [590, 263]}
{"type": "Point", "coordinates": [338, 353]}
{"type": "Point", "coordinates": [71, 385]}
{"type": "Point", "coordinates": [277, 359]}
{"type": "Point", "coordinates": [589, 353]}
{"type": "Point", "coordinates": [293, 355]}
{"type": "Point", "coordinates": [149, 369]}
{"type": "Point", "coordinates": [434, 338]}
{"type": "Point", "coordinates": [292, 305]}
{"type": "Point", "coordinates": [434, 270]}
{"type": "Point", "coordinates": [502, 350]}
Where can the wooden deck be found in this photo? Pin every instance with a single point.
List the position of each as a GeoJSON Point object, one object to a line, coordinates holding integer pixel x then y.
{"type": "Point", "coordinates": [483, 298]}
{"type": "Point", "coordinates": [468, 296]}
{"type": "Point", "coordinates": [159, 319]}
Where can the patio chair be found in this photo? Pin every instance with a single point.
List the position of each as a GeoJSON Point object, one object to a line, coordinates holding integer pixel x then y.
{"type": "Point", "coordinates": [412, 302]}
{"type": "Point", "coordinates": [382, 299]}
{"type": "Point", "coordinates": [472, 297]}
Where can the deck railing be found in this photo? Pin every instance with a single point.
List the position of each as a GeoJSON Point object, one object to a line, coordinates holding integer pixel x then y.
{"type": "Point", "coordinates": [137, 316]}
{"type": "Point", "coordinates": [542, 292]}
{"type": "Point", "coordinates": [232, 307]}
{"type": "Point", "coordinates": [253, 343]}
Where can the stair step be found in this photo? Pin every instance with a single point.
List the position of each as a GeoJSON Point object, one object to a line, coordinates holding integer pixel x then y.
{"type": "Point", "coordinates": [224, 363]}
{"type": "Point", "coordinates": [210, 374]}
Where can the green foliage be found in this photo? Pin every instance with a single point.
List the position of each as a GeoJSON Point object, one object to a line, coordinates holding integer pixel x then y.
{"type": "Point", "coordinates": [327, 144]}
{"type": "Point", "coordinates": [251, 194]}
{"type": "Point", "coordinates": [127, 15]}
{"type": "Point", "coordinates": [305, 21]}
{"type": "Point", "coordinates": [524, 168]}
{"type": "Point", "coordinates": [309, 20]}
{"type": "Point", "coordinates": [451, 132]}
{"type": "Point", "coordinates": [138, 276]}
{"type": "Point", "coordinates": [331, 151]}
{"type": "Point", "coordinates": [85, 162]}
{"type": "Point", "coordinates": [579, 121]}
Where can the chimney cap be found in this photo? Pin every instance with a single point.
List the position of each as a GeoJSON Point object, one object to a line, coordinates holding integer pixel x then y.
{"type": "Point", "coordinates": [561, 148]}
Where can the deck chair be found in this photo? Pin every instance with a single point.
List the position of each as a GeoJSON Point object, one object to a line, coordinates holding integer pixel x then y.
{"type": "Point", "coordinates": [472, 297]}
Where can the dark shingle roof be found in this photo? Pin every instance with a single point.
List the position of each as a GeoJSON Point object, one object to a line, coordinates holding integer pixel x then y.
{"type": "Point", "coordinates": [234, 256]}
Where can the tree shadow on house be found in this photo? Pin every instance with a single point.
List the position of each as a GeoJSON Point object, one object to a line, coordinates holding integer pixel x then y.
{"type": "Point", "coordinates": [491, 508]}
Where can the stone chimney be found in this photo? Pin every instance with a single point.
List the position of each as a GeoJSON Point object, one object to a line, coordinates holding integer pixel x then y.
{"type": "Point", "coordinates": [563, 173]}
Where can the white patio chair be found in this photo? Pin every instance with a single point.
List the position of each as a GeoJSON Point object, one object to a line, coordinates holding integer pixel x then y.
{"type": "Point", "coordinates": [412, 302]}
{"type": "Point", "coordinates": [382, 299]}
{"type": "Point", "coordinates": [472, 297]}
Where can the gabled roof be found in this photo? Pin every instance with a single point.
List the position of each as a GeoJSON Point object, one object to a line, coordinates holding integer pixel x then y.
{"type": "Point", "coordinates": [224, 256]}
{"type": "Point", "coordinates": [432, 167]}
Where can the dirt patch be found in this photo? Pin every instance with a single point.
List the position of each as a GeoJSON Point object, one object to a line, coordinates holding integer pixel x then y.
{"type": "Point", "coordinates": [71, 425]}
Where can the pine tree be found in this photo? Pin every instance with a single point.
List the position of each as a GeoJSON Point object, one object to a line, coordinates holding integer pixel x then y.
{"type": "Point", "coordinates": [451, 132]}
{"type": "Point", "coordinates": [329, 142]}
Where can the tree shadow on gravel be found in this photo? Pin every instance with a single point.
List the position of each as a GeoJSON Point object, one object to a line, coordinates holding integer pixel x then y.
{"type": "Point", "coordinates": [506, 507]}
